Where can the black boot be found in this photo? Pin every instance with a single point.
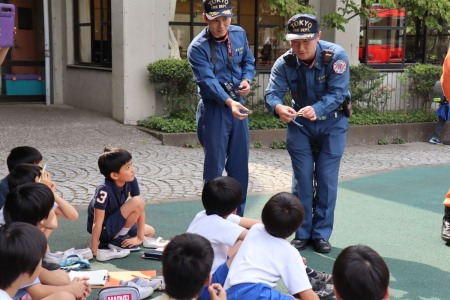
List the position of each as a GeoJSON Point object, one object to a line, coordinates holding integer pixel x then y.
{"type": "Point", "coordinates": [445, 231]}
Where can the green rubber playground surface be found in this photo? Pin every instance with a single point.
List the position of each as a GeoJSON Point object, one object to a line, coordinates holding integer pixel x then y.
{"type": "Point", "coordinates": [398, 213]}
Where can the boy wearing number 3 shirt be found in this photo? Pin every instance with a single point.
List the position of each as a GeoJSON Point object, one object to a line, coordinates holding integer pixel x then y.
{"type": "Point", "coordinates": [116, 214]}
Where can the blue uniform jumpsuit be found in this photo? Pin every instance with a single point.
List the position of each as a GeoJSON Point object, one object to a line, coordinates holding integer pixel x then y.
{"type": "Point", "coordinates": [225, 139]}
{"type": "Point", "coordinates": [324, 87]}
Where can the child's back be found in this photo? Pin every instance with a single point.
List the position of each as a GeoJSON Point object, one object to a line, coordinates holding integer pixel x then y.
{"type": "Point", "coordinates": [265, 255]}
{"type": "Point", "coordinates": [217, 223]}
{"type": "Point", "coordinates": [221, 233]}
{"type": "Point", "coordinates": [267, 259]}
{"type": "Point", "coordinates": [221, 197]}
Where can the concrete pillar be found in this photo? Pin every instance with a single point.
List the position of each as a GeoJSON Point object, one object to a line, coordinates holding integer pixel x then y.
{"type": "Point", "coordinates": [139, 36]}
{"type": "Point", "coordinates": [58, 40]}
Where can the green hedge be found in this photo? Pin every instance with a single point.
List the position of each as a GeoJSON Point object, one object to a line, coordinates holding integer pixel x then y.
{"type": "Point", "coordinates": [186, 123]}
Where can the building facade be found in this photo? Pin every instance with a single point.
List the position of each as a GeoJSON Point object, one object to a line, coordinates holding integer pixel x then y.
{"type": "Point", "coordinates": [93, 53]}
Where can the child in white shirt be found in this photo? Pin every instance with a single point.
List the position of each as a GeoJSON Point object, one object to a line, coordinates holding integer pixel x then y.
{"type": "Point", "coordinates": [265, 255]}
{"type": "Point", "coordinates": [219, 224]}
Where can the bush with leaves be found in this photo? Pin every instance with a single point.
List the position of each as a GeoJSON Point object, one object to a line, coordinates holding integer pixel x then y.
{"type": "Point", "coordinates": [421, 79]}
{"type": "Point", "coordinates": [262, 121]}
{"type": "Point", "coordinates": [175, 81]}
{"type": "Point", "coordinates": [366, 88]}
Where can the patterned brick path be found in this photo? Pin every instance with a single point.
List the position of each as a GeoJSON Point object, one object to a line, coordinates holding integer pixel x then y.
{"type": "Point", "coordinates": [71, 140]}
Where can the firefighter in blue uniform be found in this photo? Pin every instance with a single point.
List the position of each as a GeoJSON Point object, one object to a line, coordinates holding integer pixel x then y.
{"type": "Point", "coordinates": [317, 75]}
{"type": "Point", "coordinates": [223, 66]}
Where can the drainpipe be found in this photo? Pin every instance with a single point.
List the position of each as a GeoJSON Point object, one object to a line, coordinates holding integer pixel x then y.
{"type": "Point", "coordinates": [47, 53]}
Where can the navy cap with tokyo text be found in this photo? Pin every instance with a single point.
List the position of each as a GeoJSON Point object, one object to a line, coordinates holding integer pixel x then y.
{"type": "Point", "coordinates": [302, 27]}
{"type": "Point", "coordinates": [217, 8]}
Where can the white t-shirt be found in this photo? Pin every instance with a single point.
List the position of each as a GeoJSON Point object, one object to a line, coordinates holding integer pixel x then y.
{"type": "Point", "coordinates": [4, 295]}
{"type": "Point", "coordinates": [222, 233]}
{"type": "Point", "coordinates": [266, 259]}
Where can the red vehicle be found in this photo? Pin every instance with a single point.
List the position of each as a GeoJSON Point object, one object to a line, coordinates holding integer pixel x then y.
{"type": "Point", "coordinates": [384, 45]}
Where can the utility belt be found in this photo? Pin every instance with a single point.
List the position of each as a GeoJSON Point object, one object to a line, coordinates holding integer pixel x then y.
{"type": "Point", "coordinates": [332, 115]}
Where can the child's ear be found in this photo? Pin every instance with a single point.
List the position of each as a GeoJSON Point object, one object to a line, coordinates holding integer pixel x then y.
{"type": "Point", "coordinates": [114, 175]}
{"type": "Point", "coordinates": [234, 211]}
{"type": "Point", "coordinates": [388, 292]}
{"type": "Point", "coordinates": [208, 281]}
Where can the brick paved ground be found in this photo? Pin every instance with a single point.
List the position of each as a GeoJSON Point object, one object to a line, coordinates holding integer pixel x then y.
{"type": "Point", "coordinates": [71, 140]}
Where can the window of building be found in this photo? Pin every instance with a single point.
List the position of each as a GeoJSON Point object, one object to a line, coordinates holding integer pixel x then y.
{"type": "Point", "coordinates": [265, 28]}
{"type": "Point", "coordinates": [389, 40]}
{"type": "Point", "coordinates": [92, 32]}
{"type": "Point", "coordinates": [382, 39]}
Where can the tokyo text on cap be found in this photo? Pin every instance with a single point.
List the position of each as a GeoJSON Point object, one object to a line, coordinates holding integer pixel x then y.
{"type": "Point", "coordinates": [302, 27]}
{"type": "Point", "coordinates": [217, 8]}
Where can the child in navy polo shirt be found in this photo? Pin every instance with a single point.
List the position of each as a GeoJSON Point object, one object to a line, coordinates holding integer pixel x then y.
{"type": "Point", "coordinates": [116, 214]}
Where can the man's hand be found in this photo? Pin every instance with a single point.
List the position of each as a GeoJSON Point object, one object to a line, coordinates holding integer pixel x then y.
{"type": "Point", "coordinates": [308, 113]}
{"type": "Point", "coordinates": [244, 88]}
{"type": "Point", "coordinates": [237, 109]}
{"type": "Point", "coordinates": [286, 113]}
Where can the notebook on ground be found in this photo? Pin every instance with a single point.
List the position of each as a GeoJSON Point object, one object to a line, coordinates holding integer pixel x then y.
{"type": "Point", "coordinates": [96, 278]}
{"type": "Point", "coordinates": [114, 278]}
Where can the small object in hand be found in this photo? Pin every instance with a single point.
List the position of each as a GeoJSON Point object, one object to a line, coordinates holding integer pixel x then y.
{"type": "Point", "coordinates": [300, 114]}
{"type": "Point", "coordinates": [217, 289]}
{"type": "Point", "coordinates": [249, 112]}
{"type": "Point", "coordinates": [42, 172]}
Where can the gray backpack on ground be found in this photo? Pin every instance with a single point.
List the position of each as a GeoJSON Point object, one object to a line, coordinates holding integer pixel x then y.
{"type": "Point", "coordinates": [118, 293]}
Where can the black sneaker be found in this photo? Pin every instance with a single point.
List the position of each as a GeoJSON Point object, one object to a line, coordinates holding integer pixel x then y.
{"type": "Point", "coordinates": [320, 276]}
{"type": "Point", "coordinates": [445, 230]}
{"type": "Point", "coordinates": [324, 290]}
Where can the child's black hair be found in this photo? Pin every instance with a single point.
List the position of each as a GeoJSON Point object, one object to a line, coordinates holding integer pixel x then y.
{"type": "Point", "coordinates": [282, 215]}
{"type": "Point", "coordinates": [112, 159]}
{"type": "Point", "coordinates": [359, 272]}
{"type": "Point", "coordinates": [221, 196]}
{"type": "Point", "coordinates": [30, 203]}
{"type": "Point", "coordinates": [23, 173]}
{"type": "Point", "coordinates": [22, 247]}
{"type": "Point", "coordinates": [186, 265]}
{"type": "Point", "coordinates": [23, 154]}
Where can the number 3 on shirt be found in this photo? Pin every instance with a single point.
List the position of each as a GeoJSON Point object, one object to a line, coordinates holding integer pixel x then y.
{"type": "Point", "coordinates": [102, 197]}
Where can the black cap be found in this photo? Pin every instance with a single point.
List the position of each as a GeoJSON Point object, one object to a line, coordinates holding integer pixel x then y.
{"type": "Point", "coordinates": [217, 8]}
{"type": "Point", "coordinates": [302, 27]}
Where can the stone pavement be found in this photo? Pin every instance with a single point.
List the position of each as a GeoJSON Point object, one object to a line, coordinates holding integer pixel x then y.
{"type": "Point", "coordinates": [71, 139]}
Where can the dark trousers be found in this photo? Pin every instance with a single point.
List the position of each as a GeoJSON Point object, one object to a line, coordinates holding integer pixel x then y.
{"type": "Point", "coordinates": [225, 140]}
{"type": "Point", "coordinates": [331, 135]}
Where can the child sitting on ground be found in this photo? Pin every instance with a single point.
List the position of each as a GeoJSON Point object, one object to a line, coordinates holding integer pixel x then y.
{"type": "Point", "coordinates": [116, 214]}
{"type": "Point", "coordinates": [22, 248]}
{"type": "Point", "coordinates": [18, 155]}
{"type": "Point", "coordinates": [24, 173]}
{"type": "Point", "coordinates": [225, 230]}
{"type": "Point", "coordinates": [265, 255]}
{"type": "Point", "coordinates": [32, 203]}
{"type": "Point", "coordinates": [186, 266]}
{"type": "Point", "coordinates": [219, 224]}
{"type": "Point", "coordinates": [360, 273]}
